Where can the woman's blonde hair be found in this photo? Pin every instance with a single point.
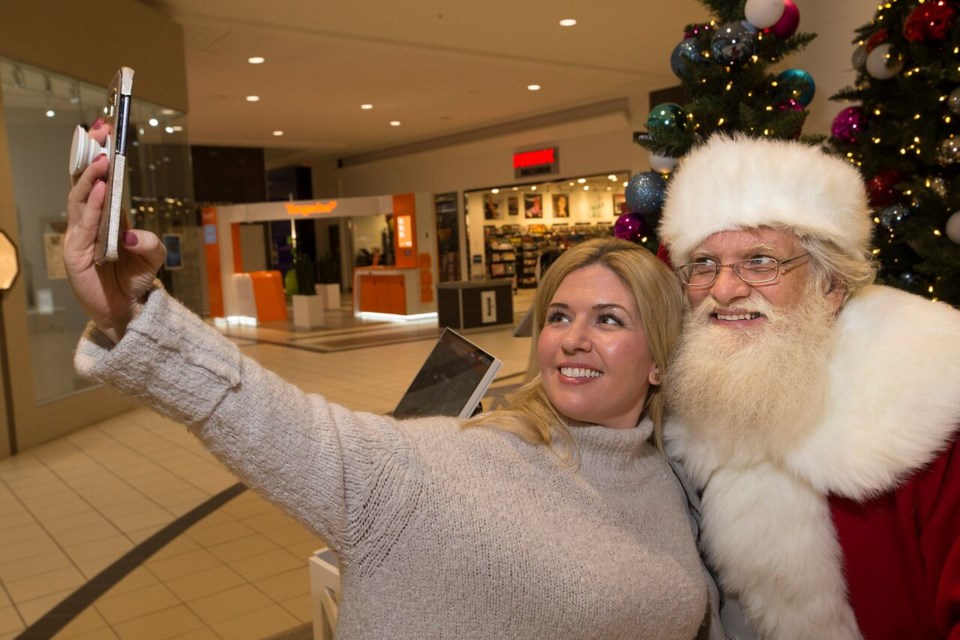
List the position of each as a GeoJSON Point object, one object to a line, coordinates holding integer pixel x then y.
{"type": "Point", "coordinates": [530, 414]}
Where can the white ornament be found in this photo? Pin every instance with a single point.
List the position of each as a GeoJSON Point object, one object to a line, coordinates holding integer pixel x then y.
{"type": "Point", "coordinates": [763, 13]}
{"type": "Point", "coordinates": [662, 164]}
{"type": "Point", "coordinates": [881, 64]}
{"type": "Point", "coordinates": [953, 227]}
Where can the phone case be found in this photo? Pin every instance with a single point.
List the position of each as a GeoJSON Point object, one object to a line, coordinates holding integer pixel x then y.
{"type": "Point", "coordinates": [118, 116]}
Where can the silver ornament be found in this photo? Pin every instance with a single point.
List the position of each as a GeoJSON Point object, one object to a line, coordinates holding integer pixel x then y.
{"type": "Point", "coordinates": [953, 100]}
{"type": "Point", "coordinates": [950, 151]}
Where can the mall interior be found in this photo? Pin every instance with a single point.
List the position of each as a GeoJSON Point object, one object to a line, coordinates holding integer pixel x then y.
{"type": "Point", "coordinates": [114, 521]}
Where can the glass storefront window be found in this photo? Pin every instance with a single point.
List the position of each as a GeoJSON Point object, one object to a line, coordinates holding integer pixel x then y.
{"type": "Point", "coordinates": [512, 228]}
{"type": "Point", "coordinates": [41, 110]}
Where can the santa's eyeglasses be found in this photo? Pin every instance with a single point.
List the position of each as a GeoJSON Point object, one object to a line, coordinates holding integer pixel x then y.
{"type": "Point", "coordinates": [759, 270]}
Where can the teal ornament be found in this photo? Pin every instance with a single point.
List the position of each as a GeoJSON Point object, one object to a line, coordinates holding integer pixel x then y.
{"type": "Point", "coordinates": [732, 43]}
{"type": "Point", "coordinates": [909, 278]}
{"type": "Point", "coordinates": [645, 192]}
{"type": "Point", "coordinates": [667, 115]}
{"type": "Point", "coordinates": [799, 84]}
{"type": "Point", "coordinates": [892, 216]}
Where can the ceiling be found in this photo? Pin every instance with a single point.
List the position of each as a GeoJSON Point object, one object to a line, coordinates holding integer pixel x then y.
{"type": "Point", "coordinates": [439, 67]}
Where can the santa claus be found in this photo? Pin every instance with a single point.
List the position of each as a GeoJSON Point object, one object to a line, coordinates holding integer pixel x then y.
{"type": "Point", "coordinates": [815, 412]}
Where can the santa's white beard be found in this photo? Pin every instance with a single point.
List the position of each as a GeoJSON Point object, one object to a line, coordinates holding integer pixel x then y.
{"type": "Point", "coordinates": [752, 393]}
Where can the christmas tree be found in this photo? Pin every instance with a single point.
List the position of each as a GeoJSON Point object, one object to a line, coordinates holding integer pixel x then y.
{"type": "Point", "coordinates": [904, 135]}
{"type": "Point", "coordinates": [724, 69]}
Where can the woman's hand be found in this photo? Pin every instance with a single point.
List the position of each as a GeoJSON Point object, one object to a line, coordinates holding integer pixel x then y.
{"type": "Point", "coordinates": [110, 294]}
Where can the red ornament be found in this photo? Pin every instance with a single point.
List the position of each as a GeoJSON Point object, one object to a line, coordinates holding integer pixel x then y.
{"type": "Point", "coordinates": [787, 25]}
{"type": "Point", "coordinates": [875, 40]}
{"type": "Point", "coordinates": [929, 21]}
{"type": "Point", "coordinates": [880, 188]}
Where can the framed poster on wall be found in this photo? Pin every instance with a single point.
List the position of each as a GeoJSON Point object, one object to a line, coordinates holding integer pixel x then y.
{"type": "Point", "coordinates": [491, 207]}
{"type": "Point", "coordinates": [532, 205]}
{"type": "Point", "coordinates": [561, 205]}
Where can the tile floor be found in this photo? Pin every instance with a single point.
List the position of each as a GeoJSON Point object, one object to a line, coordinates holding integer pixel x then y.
{"type": "Point", "coordinates": [85, 520]}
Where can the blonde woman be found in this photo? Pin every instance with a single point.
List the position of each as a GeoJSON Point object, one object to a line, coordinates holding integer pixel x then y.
{"type": "Point", "coordinates": [557, 518]}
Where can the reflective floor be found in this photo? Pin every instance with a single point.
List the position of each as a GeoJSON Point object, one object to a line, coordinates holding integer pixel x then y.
{"type": "Point", "coordinates": [130, 529]}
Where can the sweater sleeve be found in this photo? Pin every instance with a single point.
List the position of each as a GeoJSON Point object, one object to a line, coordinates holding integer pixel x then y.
{"type": "Point", "coordinates": [344, 474]}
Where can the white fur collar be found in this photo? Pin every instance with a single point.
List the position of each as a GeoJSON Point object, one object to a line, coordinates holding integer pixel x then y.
{"type": "Point", "coordinates": [895, 381]}
{"type": "Point", "coordinates": [895, 401]}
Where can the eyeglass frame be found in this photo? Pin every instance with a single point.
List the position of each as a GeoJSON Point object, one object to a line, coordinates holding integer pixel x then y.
{"type": "Point", "coordinates": [734, 266]}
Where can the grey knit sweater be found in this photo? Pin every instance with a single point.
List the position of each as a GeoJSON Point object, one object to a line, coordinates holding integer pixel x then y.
{"type": "Point", "coordinates": [441, 532]}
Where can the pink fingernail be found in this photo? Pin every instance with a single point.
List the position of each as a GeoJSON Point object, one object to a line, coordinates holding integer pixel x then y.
{"type": "Point", "coordinates": [130, 239]}
{"type": "Point", "coordinates": [99, 122]}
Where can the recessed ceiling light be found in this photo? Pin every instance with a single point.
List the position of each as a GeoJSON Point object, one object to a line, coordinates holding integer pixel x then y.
{"type": "Point", "coordinates": [394, 123]}
{"type": "Point", "coordinates": [256, 60]}
{"type": "Point", "coordinates": [51, 113]}
{"type": "Point", "coordinates": [278, 133]}
{"type": "Point", "coordinates": [253, 98]}
{"type": "Point", "coordinates": [167, 112]}
{"type": "Point", "coordinates": [581, 180]}
{"type": "Point", "coordinates": [153, 122]}
{"type": "Point", "coordinates": [366, 106]}
{"type": "Point", "coordinates": [586, 187]}
{"type": "Point", "coordinates": [612, 177]}
{"type": "Point", "coordinates": [533, 188]}
{"type": "Point", "coordinates": [533, 87]}
{"type": "Point", "coordinates": [568, 22]}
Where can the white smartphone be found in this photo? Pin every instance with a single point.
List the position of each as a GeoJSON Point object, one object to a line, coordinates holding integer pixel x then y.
{"type": "Point", "coordinates": [84, 149]}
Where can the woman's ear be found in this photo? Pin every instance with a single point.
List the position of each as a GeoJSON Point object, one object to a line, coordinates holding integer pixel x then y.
{"type": "Point", "coordinates": [655, 377]}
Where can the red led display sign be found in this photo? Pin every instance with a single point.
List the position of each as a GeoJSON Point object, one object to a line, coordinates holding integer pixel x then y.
{"type": "Point", "coordinates": [535, 162]}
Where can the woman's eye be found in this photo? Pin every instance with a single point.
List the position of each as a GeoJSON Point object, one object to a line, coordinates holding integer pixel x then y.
{"type": "Point", "coordinates": [610, 319]}
{"type": "Point", "coordinates": [556, 316]}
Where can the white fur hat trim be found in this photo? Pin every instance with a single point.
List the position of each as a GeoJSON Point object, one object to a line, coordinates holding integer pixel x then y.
{"type": "Point", "coordinates": [740, 182]}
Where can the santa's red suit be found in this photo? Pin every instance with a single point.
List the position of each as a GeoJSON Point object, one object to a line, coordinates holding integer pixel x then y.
{"type": "Point", "coordinates": [855, 531]}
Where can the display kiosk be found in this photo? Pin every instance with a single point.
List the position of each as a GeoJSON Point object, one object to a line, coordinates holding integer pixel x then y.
{"type": "Point", "coordinates": [404, 289]}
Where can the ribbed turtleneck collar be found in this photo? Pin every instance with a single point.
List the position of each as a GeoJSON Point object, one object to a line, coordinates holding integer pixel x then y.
{"type": "Point", "coordinates": [608, 454]}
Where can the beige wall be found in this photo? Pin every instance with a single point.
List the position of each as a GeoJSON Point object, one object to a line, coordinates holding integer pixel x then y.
{"type": "Point", "coordinates": [89, 42]}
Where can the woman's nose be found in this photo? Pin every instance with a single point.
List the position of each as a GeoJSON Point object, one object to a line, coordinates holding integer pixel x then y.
{"type": "Point", "coordinates": [576, 339]}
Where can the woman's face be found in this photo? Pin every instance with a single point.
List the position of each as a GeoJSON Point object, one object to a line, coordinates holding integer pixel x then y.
{"type": "Point", "coordinates": [592, 351]}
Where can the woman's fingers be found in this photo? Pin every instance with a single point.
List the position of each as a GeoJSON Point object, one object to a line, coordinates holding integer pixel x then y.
{"type": "Point", "coordinates": [86, 197]}
{"type": "Point", "coordinates": [145, 244]}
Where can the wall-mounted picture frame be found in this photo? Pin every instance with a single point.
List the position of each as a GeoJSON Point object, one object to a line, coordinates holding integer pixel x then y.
{"type": "Point", "coordinates": [532, 205]}
{"type": "Point", "coordinates": [561, 205]}
{"type": "Point", "coordinates": [491, 207]}
{"type": "Point", "coordinates": [513, 206]}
